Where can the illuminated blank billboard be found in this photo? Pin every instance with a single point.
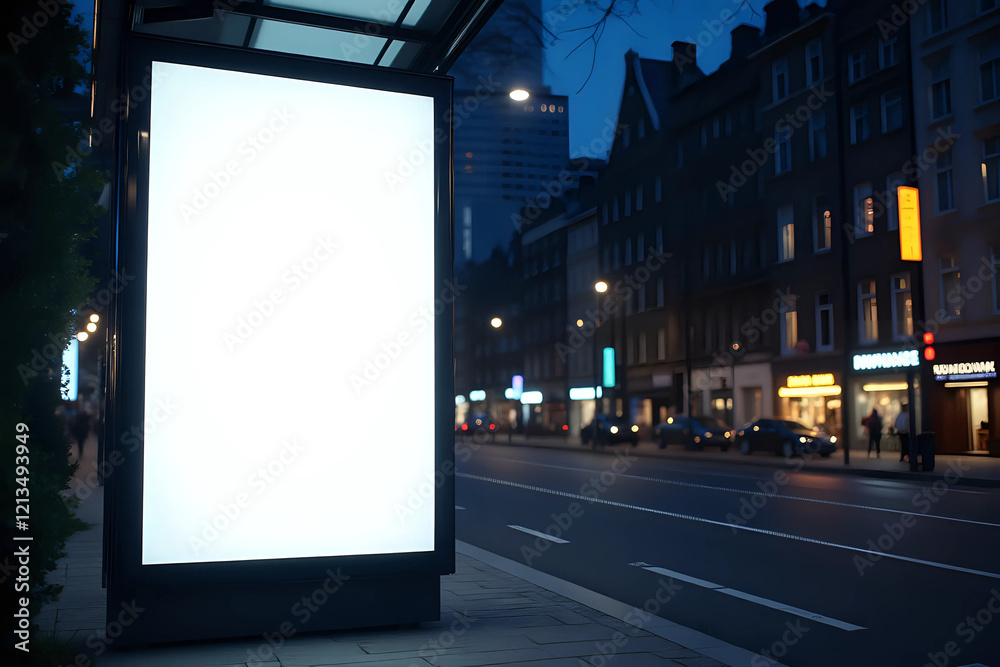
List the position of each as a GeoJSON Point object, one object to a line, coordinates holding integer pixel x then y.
{"type": "Point", "coordinates": [289, 334]}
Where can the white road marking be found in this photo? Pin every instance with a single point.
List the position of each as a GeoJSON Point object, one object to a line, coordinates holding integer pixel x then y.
{"type": "Point", "coordinates": [557, 540]}
{"type": "Point", "coordinates": [727, 489]}
{"type": "Point", "coordinates": [719, 588]}
{"type": "Point", "coordinates": [732, 526]}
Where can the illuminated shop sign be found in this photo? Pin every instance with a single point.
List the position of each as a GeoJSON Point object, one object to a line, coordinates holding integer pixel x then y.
{"type": "Point", "coordinates": [886, 360]}
{"type": "Point", "coordinates": [969, 370]}
{"type": "Point", "coordinates": [814, 380]}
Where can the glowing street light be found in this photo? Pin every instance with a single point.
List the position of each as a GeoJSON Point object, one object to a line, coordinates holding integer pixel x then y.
{"type": "Point", "coordinates": [91, 327]}
{"type": "Point", "coordinates": [496, 323]}
{"type": "Point", "coordinates": [95, 317]}
{"type": "Point", "coordinates": [82, 336]}
{"type": "Point", "coordinates": [601, 287]}
{"type": "Point", "coordinates": [519, 94]}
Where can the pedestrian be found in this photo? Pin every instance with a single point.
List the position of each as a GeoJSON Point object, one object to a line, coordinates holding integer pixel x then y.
{"type": "Point", "coordinates": [874, 423]}
{"type": "Point", "coordinates": [902, 426]}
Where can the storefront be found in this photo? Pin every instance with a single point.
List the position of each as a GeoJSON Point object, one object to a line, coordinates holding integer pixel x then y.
{"type": "Point", "coordinates": [881, 381]}
{"type": "Point", "coordinates": [812, 399]}
{"type": "Point", "coordinates": [965, 403]}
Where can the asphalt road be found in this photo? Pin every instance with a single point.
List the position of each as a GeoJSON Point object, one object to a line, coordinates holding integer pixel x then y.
{"type": "Point", "coordinates": [814, 569]}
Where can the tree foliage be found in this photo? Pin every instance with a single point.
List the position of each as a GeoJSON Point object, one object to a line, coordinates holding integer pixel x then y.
{"type": "Point", "coordinates": [47, 213]}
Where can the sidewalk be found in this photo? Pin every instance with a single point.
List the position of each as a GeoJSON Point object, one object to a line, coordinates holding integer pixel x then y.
{"type": "Point", "coordinates": [491, 614]}
{"type": "Point", "coordinates": [972, 470]}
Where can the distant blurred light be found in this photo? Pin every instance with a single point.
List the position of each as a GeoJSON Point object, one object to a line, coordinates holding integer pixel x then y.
{"type": "Point", "coordinates": [83, 335]}
{"type": "Point", "coordinates": [477, 395]}
{"type": "Point", "coordinates": [519, 94]}
{"type": "Point", "coordinates": [95, 318]}
{"type": "Point", "coordinates": [459, 399]}
{"type": "Point", "coordinates": [91, 327]}
{"type": "Point", "coordinates": [496, 323]}
{"type": "Point", "coordinates": [531, 397]}
{"type": "Point", "coordinates": [601, 287]}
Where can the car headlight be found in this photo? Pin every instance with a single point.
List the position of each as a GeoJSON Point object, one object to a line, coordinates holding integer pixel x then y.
{"type": "Point", "coordinates": [697, 439]}
{"type": "Point", "coordinates": [728, 434]}
{"type": "Point", "coordinates": [635, 428]}
{"type": "Point", "coordinates": [802, 438]}
{"type": "Point", "coordinates": [614, 429]}
{"type": "Point", "coordinates": [833, 438]}
{"type": "Point", "coordinates": [707, 434]}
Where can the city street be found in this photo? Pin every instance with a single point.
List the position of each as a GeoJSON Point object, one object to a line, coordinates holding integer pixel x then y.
{"type": "Point", "coordinates": [810, 568]}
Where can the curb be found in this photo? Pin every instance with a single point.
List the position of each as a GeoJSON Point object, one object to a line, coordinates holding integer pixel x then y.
{"type": "Point", "coordinates": [930, 477]}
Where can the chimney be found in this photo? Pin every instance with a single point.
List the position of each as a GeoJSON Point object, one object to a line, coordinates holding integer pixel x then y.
{"type": "Point", "coordinates": [781, 15]}
{"type": "Point", "coordinates": [684, 54]}
{"type": "Point", "coordinates": [745, 40]}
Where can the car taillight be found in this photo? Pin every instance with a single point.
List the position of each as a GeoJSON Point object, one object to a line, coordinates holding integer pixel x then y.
{"type": "Point", "coordinates": [465, 427]}
{"type": "Point", "coordinates": [565, 427]}
{"type": "Point", "coordinates": [492, 426]}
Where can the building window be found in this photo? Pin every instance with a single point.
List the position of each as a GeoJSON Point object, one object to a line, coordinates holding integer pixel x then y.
{"type": "Point", "coordinates": [615, 254]}
{"type": "Point", "coordinates": [824, 323]}
{"type": "Point", "coordinates": [786, 234]}
{"type": "Point", "coordinates": [892, 183]}
{"type": "Point", "coordinates": [944, 188]}
{"type": "Point", "coordinates": [940, 90]}
{"type": "Point", "coordinates": [989, 72]}
{"type": "Point", "coordinates": [661, 344]}
{"type": "Point", "coordinates": [991, 169]}
{"type": "Point", "coordinates": [937, 16]}
{"type": "Point", "coordinates": [868, 315]}
{"type": "Point", "coordinates": [716, 128]}
{"type": "Point", "coordinates": [659, 292]}
{"type": "Point", "coordinates": [659, 239]}
{"type": "Point", "coordinates": [628, 251]}
{"type": "Point", "coordinates": [638, 197]}
{"type": "Point", "coordinates": [859, 123]}
{"type": "Point", "coordinates": [822, 224]}
{"type": "Point", "coordinates": [951, 281]}
{"type": "Point", "coordinates": [902, 307]}
{"type": "Point", "coordinates": [614, 217]}
{"type": "Point", "coordinates": [641, 298]}
{"type": "Point", "coordinates": [628, 204]}
{"type": "Point", "coordinates": [814, 62]}
{"type": "Point", "coordinates": [782, 149]}
{"type": "Point", "coordinates": [640, 248]}
{"type": "Point", "coordinates": [892, 111]}
{"type": "Point", "coordinates": [658, 190]}
{"type": "Point", "coordinates": [779, 80]}
{"type": "Point", "coordinates": [817, 135]}
{"type": "Point", "coordinates": [789, 325]}
{"type": "Point", "coordinates": [887, 52]}
{"type": "Point", "coordinates": [856, 66]}
{"type": "Point", "coordinates": [864, 210]}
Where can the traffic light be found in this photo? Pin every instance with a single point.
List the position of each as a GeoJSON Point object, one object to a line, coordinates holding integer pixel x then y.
{"type": "Point", "coordinates": [929, 346]}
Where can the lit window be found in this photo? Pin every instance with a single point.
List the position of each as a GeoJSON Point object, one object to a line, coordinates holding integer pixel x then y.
{"type": "Point", "coordinates": [823, 224]}
{"type": "Point", "coordinates": [868, 317]}
{"type": "Point", "coordinates": [789, 325]}
{"type": "Point", "coordinates": [864, 210]}
{"type": "Point", "coordinates": [786, 233]}
{"type": "Point", "coordinates": [902, 307]}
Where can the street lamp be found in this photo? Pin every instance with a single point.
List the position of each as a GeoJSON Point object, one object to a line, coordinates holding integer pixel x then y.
{"type": "Point", "coordinates": [496, 323]}
{"type": "Point", "coordinates": [519, 94]}
{"type": "Point", "coordinates": [95, 317]}
{"type": "Point", "coordinates": [600, 287]}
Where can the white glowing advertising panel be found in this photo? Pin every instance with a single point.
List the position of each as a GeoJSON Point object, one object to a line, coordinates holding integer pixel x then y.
{"type": "Point", "coordinates": [289, 307]}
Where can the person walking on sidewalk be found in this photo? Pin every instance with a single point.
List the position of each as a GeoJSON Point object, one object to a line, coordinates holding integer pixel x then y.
{"type": "Point", "coordinates": [874, 423]}
{"type": "Point", "coordinates": [902, 426]}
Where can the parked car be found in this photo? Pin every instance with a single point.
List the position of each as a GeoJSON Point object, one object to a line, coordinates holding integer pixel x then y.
{"type": "Point", "coordinates": [694, 432]}
{"type": "Point", "coordinates": [784, 437]}
{"type": "Point", "coordinates": [609, 430]}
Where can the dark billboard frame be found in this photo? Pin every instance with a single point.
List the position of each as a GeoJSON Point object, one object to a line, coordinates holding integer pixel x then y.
{"type": "Point", "coordinates": [232, 598]}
